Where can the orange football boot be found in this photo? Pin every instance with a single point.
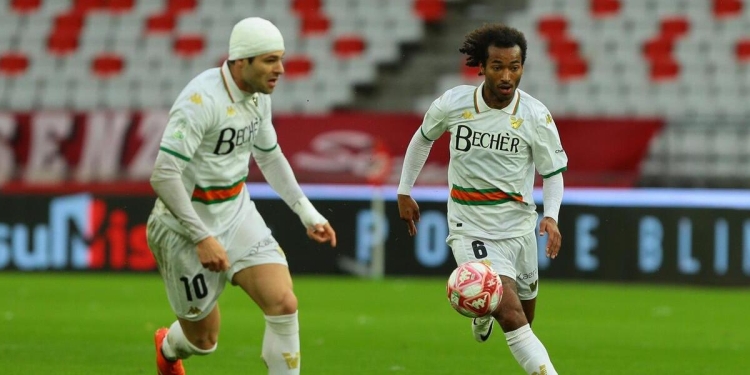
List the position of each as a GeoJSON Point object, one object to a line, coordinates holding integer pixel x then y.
{"type": "Point", "coordinates": [163, 365]}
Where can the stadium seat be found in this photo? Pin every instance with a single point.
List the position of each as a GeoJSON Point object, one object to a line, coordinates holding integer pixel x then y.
{"type": "Point", "coordinates": [107, 65]}
{"type": "Point", "coordinates": [348, 46]}
{"type": "Point", "coordinates": [727, 8]}
{"type": "Point", "coordinates": [162, 23]}
{"type": "Point", "coordinates": [298, 66]}
{"type": "Point", "coordinates": [303, 7]}
{"type": "Point", "coordinates": [430, 10]}
{"type": "Point", "coordinates": [62, 42]}
{"type": "Point", "coordinates": [571, 68]}
{"type": "Point", "coordinates": [674, 27]}
{"type": "Point", "coordinates": [13, 64]}
{"type": "Point", "coordinates": [25, 6]}
{"type": "Point", "coordinates": [742, 50]}
{"type": "Point", "coordinates": [120, 6]}
{"type": "Point", "coordinates": [314, 23]}
{"type": "Point", "coordinates": [188, 46]}
{"type": "Point", "coordinates": [604, 8]}
{"type": "Point", "coordinates": [552, 27]}
{"type": "Point", "coordinates": [176, 7]}
{"type": "Point", "coordinates": [664, 69]}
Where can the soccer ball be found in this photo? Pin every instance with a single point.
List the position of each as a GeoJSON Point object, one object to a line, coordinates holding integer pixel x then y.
{"type": "Point", "coordinates": [474, 289]}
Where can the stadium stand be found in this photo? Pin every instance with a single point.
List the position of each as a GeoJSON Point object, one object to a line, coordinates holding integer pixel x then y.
{"type": "Point", "coordinates": [653, 57]}
{"type": "Point", "coordinates": [684, 61]}
{"type": "Point", "coordinates": [89, 54]}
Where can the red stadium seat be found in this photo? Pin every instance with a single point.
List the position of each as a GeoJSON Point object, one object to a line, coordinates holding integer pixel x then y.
{"type": "Point", "coordinates": [742, 50]}
{"type": "Point", "coordinates": [68, 22]}
{"type": "Point", "coordinates": [107, 65]}
{"type": "Point", "coordinates": [188, 45]}
{"type": "Point", "coordinates": [120, 6]}
{"type": "Point", "coordinates": [63, 42]}
{"type": "Point", "coordinates": [430, 10]}
{"type": "Point", "coordinates": [13, 64]}
{"type": "Point", "coordinates": [25, 6]}
{"type": "Point", "coordinates": [315, 23]}
{"type": "Point", "coordinates": [181, 6]}
{"type": "Point", "coordinates": [727, 8]}
{"type": "Point", "coordinates": [604, 8]}
{"type": "Point", "coordinates": [571, 69]}
{"type": "Point", "coordinates": [674, 27]}
{"type": "Point", "coordinates": [658, 48]}
{"type": "Point", "coordinates": [298, 66]}
{"type": "Point", "coordinates": [160, 24]}
{"type": "Point", "coordinates": [552, 27]}
{"type": "Point", "coordinates": [303, 7]}
{"type": "Point", "coordinates": [85, 6]}
{"type": "Point", "coordinates": [348, 46]}
{"type": "Point", "coordinates": [664, 69]}
{"type": "Point", "coordinates": [560, 49]}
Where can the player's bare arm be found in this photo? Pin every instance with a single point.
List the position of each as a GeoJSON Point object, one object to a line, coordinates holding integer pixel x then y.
{"type": "Point", "coordinates": [212, 254]}
{"type": "Point", "coordinates": [322, 233]}
{"type": "Point", "coordinates": [409, 212]}
{"type": "Point", "coordinates": [548, 226]}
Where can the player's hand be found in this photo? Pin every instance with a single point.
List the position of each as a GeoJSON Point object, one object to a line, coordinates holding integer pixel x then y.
{"type": "Point", "coordinates": [322, 233]}
{"type": "Point", "coordinates": [409, 212]}
{"type": "Point", "coordinates": [548, 226]}
{"type": "Point", "coordinates": [212, 254]}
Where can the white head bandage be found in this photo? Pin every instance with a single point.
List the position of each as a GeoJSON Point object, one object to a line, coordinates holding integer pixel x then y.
{"type": "Point", "coordinates": [252, 37]}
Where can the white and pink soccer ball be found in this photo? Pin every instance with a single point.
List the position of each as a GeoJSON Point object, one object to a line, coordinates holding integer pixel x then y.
{"type": "Point", "coordinates": [474, 289]}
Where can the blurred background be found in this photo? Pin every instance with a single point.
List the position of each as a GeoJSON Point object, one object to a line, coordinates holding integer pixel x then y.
{"type": "Point", "coordinates": [650, 98]}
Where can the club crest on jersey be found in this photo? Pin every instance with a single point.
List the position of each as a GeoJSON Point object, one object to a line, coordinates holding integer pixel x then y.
{"type": "Point", "coordinates": [515, 122]}
{"type": "Point", "coordinates": [549, 119]}
{"type": "Point", "coordinates": [255, 100]}
{"type": "Point", "coordinates": [231, 111]}
{"type": "Point", "coordinates": [179, 131]}
{"type": "Point", "coordinates": [467, 115]}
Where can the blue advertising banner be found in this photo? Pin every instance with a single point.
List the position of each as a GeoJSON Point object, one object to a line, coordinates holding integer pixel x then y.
{"type": "Point", "coordinates": [677, 236]}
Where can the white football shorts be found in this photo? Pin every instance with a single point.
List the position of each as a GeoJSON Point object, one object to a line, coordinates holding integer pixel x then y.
{"type": "Point", "coordinates": [515, 258]}
{"type": "Point", "coordinates": [193, 290]}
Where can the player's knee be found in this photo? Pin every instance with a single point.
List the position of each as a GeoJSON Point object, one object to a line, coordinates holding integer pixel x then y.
{"type": "Point", "coordinates": [283, 304]}
{"type": "Point", "coordinates": [511, 318]}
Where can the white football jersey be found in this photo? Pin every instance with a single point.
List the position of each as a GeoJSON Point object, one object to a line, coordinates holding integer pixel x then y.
{"type": "Point", "coordinates": [493, 157]}
{"type": "Point", "coordinates": [214, 127]}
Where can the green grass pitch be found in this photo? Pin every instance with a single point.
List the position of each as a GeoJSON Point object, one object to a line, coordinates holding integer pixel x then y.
{"type": "Point", "coordinates": [103, 324]}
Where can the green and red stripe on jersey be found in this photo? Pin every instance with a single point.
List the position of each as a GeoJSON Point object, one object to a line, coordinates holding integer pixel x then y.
{"type": "Point", "coordinates": [218, 194]}
{"type": "Point", "coordinates": [483, 197]}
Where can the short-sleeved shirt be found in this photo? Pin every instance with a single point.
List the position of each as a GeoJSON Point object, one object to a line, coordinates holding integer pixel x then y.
{"type": "Point", "coordinates": [215, 128]}
{"type": "Point", "coordinates": [493, 157]}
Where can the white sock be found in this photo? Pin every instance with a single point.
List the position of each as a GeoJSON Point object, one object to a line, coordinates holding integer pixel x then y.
{"type": "Point", "coordinates": [176, 345]}
{"type": "Point", "coordinates": [529, 352]}
{"type": "Point", "coordinates": [281, 345]}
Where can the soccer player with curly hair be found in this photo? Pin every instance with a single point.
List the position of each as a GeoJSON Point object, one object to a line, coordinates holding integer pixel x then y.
{"type": "Point", "coordinates": [500, 137]}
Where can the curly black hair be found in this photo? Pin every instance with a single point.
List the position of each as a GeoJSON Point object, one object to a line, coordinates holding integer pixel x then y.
{"type": "Point", "coordinates": [478, 42]}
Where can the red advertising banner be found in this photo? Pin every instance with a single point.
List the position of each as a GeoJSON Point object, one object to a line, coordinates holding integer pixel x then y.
{"type": "Point", "coordinates": [113, 151]}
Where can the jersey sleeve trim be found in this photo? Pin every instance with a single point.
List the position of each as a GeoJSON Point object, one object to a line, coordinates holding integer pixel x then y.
{"type": "Point", "coordinates": [267, 149]}
{"type": "Point", "coordinates": [424, 136]}
{"type": "Point", "coordinates": [561, 170]}
{"type": "Point", "coordinates": [173, 153]}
